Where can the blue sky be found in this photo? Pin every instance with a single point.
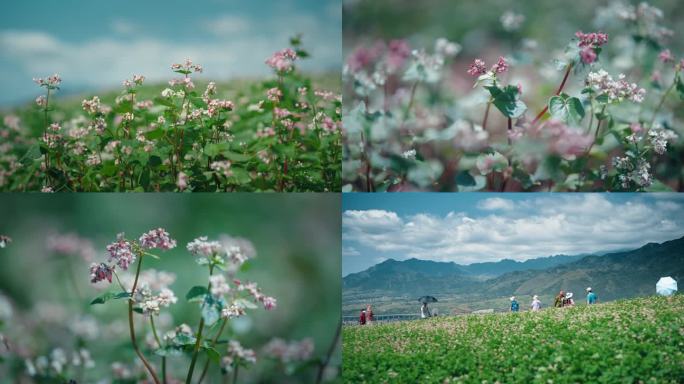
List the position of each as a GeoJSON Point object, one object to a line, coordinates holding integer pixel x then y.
{"type": "Point", "coordinates": [478, 227]}
{"type": "Point", "coordinates": [97, 44]}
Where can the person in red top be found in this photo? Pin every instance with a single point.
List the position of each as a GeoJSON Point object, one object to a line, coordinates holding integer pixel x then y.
{"type": "Point", "coordinates": [362, 318]}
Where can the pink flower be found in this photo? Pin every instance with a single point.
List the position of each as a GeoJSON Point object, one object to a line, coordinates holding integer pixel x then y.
{"type": "Point", "coordinates": [100, 272]}
{"type": "Point", "coordinates": [588, 55]}
{"type": "Point", "coordinates": [121, 252]}
{"type": "Point", "coordinates": [157, 238]}
{"type": "Point", "coordinates": [397, 53]}
{"type": "Point", "coordinates": [501, 65]}
{"type": "Point", "coordinates": [283, 60]}
{"type": "Point", "coordinates": [477, 68]}
{"type": "Point", "coordinates": [182, 181]}
{"type": "Point", "coordinates": [274, 94]}
{"type": "Point", "coordinates": [636, 127]}
{"type": "Point", "coordinates": [666, 56]}
{"type": "Point", "coordinates": [41, 101]}
{"type": "Point", "coordinates": [593, 39]}
{"type": "Point", "coordinates": [269, 302]}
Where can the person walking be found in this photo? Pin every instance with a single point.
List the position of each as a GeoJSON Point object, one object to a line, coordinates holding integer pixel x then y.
{"type": "Point", "coordinates": [515, 307]}
{"type": "Point", "coordinates": [536, 304]}
{"type": "Point", "coordinates": [369, 314]}
{"type": "Point", "coordinates": [591, 296]}
{"type": "Point", "coordinates": [362, 317]}
{"type": "Point", "coordinates": [569, 302]}
{"type": "Point", "coordinates": [558, 302]}
{"type": "Point", "coordinates": [424, 311]}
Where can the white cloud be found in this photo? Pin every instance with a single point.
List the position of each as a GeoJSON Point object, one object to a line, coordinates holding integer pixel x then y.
{"type": "Point", "coordinates": [227, 25]}
{"type": "Point", "coordinates": [496, 203]}
{"type": "Point", "coordinates": [350, 251]}
{"type": "Point", "coordinates": [535, 227]}
{"type": "Point", "coordinates": [123, 27]}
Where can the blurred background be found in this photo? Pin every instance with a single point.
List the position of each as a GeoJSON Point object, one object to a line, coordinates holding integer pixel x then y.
{"type": "Point", "coordinates": [296, 236]}
{"type": "Point", "coordinates": [96, 45]}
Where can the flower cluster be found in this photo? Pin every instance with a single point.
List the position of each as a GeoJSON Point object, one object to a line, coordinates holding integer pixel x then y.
{"type": "Point", "coordinates": [616, 90]}
{"type": "Point", "coordinates": [121, 252]}
{"type": "Point", "coordinates": [237, 356]}
{"type": "Point", "coordinates": [157, 238]}
{"type": "Point", "coordinates": [49, 82]}
{"type": "Point", "coordinates": [289, 352]}
{"type": "Point", "coordinates": [282, 61]}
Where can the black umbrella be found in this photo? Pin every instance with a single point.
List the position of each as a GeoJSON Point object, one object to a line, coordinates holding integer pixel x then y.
{"type": "Point", "coordinates": [427, 299]}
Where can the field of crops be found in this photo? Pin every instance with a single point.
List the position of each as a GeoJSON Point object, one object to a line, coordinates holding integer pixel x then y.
{"type": "Point", "coordinates": [627, 341]}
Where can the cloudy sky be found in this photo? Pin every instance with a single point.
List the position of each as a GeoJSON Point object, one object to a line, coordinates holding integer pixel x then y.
{"type": "Point", "coordinates": [97, 44]}
{"type": "Point", "coordinates": [478, 227]}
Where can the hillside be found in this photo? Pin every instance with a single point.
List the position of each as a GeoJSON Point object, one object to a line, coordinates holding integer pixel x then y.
{"type": "Point", "coordinates": [636, 340]}
{"type": "Point", "coordinates": [395, 285]}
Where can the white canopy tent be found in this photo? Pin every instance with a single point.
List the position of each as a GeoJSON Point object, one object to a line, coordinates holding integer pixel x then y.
{"type": "Point", "coordinates": [666, 286]}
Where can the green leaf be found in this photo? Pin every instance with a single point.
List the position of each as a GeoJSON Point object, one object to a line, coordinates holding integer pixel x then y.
{"type": "Point", "coordinates": [507, 100]}
{"type": "Point", "coordinates": [154, 161]}
{"type": "Point", "coordinates": [210, 314]}
{"type": "Point", "coordinates": [566, 109]}
{"type": "Point", "coordinates": [464, 178]}
{"type": "Point", "coordinates": [109, 296]}
{"type": "Point", "coordinates": [680, 86]}
{"type": "Point", "coordinates": [213, 354]}
{"type": "Point", "coordinates": [196, 293]}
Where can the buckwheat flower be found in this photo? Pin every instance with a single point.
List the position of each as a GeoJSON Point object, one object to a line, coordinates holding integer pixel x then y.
{"type": "Point", "coordinates": [127, 117]}
{"type": "Point", "coordinates": [446, 48]}
{"type": "Point", "coordinates": [511, 21]}
{"type": "Point", "coordinates": [202, 247]}
{"type": "Point", "coordinates": [54, 80]}
{"type": "Point", "coordinates": [501, 65]}
{"type": "Point", "coordinates": [269, 302]}
{"type": "Point", "coordinates": [4, 240]}
{"type": "Point", "coordinates": [46, 189]}
{"type": "Point", "coordinates": [477, 68]}
{"type": "Point", "coordinates": [71, 245]}
{"type": "Point", "coordinates": [237, 355]}
{"type": "Point", "coordinates": [127, 83]}
{"type": "Point", "coordinates": [218, 284]}
{"type": "Point", "coordinates": [41, 101]}
{"type": "Point", "coordinates": [82, 358]}
{"type": "Point", "coordinates": [93, 159]}
{"type": "Point", "coordinates": [587, 55]}
{"type": "Point", "coordinates": [58, 360]}
{"type": "Point", "coordinates": [232, 311]}
{"type": "Point", "coordinates": [211, 89]}
{"type": "Point", "coordinates": [222, 167]}
{"type": "Point", "coordinates": [593, 39]}
{"type": "Point", "coordinates": [642, 175]}
{"type": "Point", "coordinates": [410, 154]}
{"type": "Point", "coordinates": [666, 56]}
{"type": "Point", "coordinates": [288, 352]}
{"type": "Point", "coordinates": [150, 307]}
{"type": "Point", "coordinates": [182, 181]}
{"type": "Point", "coordinates": [283, 60]}
{"type": "Point", "coordinates": [40, 81]}
{"type": "Point", "coordinates": [157, 238]}
{"type": "Point", "coordinates": [274, 94]}
{"type": "Point", "coordinates": [100, 272]}
{"type": "Point", "coordinates": [92, 105]}
{"type": "Point", "coordinates": [121, 252]}
{"type": "Point", "coordinates": [138, 79]}
{"type": "Point", "coordinates": [166, 297]}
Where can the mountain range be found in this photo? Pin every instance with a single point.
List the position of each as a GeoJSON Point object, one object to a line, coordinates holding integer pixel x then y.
{"type": "Point", "coordinates": [613, 275]}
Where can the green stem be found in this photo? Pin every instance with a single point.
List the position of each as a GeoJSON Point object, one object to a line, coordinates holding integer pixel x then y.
{"type": "Point", "coordinates": [331, 349]}
{"type": "Point", "coordinates": [560, 89]}
{"type": "Point", "coordinates": [213, 343]}
{"type": "Point", "coordinates": [195, 352]}
{"type": "Point", "coordinates": [662, 101]}
{"type": "Point", "coordinates": [235, 374]}
{"type": "Point", "coordinates": [159, 344]}
{"type": "Point", "coordinates": [131, 327]}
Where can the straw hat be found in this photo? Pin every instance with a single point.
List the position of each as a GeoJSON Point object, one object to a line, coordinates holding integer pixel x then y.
{"type": "Point", "coordinates": [588, 289]}
{"type": "Point", "coordinates": [512, 298]}
{"type": "Point", "coordinates": [568, 295]}
{"type": "Point", "coordinates": [535, 297]}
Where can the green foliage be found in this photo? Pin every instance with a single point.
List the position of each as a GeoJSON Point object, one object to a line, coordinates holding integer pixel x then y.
{"type": "Point", "coordinates": [566, 109]}
{"type": "Point", "coordinates": [110, 296]}
{"type": "Point", "coordinates": [507, 100]}
{"type": "Point", "coordinates": [636, 340]}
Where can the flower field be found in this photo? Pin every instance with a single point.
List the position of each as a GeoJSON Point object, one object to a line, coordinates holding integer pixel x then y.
{"type": "Point", "coordinates": [627, 341]}
{"type": "Point", "coordinates": [278, 134]}
{"type": "Point", "coordinates": [599, 110]}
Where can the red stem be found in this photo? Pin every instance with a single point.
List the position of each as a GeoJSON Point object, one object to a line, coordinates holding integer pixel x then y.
{"type": "Point", "coordinates": [560, 89]}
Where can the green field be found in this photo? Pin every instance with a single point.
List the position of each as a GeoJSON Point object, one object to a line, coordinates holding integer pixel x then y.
{"type": "Point", "coordinates": [626, 341]}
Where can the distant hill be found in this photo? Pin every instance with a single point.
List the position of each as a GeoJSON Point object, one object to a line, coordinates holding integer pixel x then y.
{"type": "Point", "coordinates": [614, 275]}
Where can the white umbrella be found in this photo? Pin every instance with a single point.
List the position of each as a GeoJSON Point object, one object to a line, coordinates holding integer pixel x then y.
{"type": "Point", "coordinates": [666, 286]}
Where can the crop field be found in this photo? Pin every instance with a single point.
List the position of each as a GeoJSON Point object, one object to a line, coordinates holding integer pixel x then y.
{"type": "Point", "coordinates": [279, 133]}
{"type": "Point", "coordinates": [627, 341]}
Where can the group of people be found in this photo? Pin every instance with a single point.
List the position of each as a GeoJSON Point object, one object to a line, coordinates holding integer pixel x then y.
{"type": "Point", "coordinates": [366, 316]}
{"type": "Point", "coordinates": [563, 299]}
